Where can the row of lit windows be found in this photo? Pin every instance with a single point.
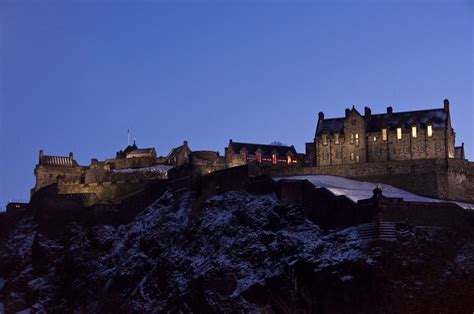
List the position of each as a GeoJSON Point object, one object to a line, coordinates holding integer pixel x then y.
{"type": "Point", "coordinates": [354, 137]}
{"type": "Point", "coordinates": [274, 159]}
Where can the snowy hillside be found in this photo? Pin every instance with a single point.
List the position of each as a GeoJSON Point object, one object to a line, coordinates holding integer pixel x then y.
{"type": "Point", "coordinates": [238, 253]}
{"type": "Point", "coordinates": [359, 190]}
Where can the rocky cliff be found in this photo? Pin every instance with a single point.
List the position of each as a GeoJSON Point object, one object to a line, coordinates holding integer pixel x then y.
{"type": "Point", "coordinates": [239, 253]}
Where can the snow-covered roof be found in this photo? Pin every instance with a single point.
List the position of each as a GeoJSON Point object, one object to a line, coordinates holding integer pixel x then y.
{"type": "Point", "coordinates": [359, 190]}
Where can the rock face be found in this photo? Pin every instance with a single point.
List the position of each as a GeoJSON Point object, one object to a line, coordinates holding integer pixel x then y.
{"type": "Point", "coordinates": [239, 253]}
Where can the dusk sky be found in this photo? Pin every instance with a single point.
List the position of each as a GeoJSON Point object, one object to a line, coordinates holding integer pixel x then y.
{"type": "Point", "coordinates": [74, 77]}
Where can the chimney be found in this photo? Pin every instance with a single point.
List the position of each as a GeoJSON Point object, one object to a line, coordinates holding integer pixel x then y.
{"type": "Point", "coordinates": [367, 112]}
{"type": "Point", "coordinates": [347, 112]}
{"type": "Point", "coordinates": [185, 143]}
{"type": "Point", "coordinates": [321, 115]}
{"type": "Point", "coordinates": [70, 156]}
{"type": "Point", "coordinates": [41, 154]}
{"type": "Point", "coordinates": [389, 110]}
{"type": "Point", "coordinates": [446, 105]}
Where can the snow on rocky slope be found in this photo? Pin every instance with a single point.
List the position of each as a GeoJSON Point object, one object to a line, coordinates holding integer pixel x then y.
{"type": "Point", "coordinates": [359, 190]}
{"type": "Point", "coordinates": [238, 253]}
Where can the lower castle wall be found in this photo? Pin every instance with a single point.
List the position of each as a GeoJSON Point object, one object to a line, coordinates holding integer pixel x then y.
{"type": "Point", "coordinates": [440, 178]}
{"type": "Point", "coordinates": [104, 192]}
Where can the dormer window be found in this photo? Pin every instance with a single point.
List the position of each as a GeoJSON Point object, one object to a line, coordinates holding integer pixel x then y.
{"type": "Point", "coordinates": [325, 139]}
{"type": "Point", "coordinates": [429, 130]}
{"type": "Point", "coordinates": [413, 131]}
{"type": "Point", "coordinates": [399, 133]}
{"type": "Point", "coordinates": [336, 138]}
{"type": "Point", "coordinates": [384, 134]}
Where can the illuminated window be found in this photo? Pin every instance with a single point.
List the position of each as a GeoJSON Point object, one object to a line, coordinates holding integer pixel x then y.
{"type": "Point", "coordinates": [375, 138]}
{"type": "Point", "coordinates": [325, 139]}
{"type": "Point", "coordinates": [258, 157]}
{"type": "Point", "coordinates": [384, 134]}
{"type": "Point", "coordinates": [336, 138]}
{"type": "Point", "coordinates": [413, 131]}
{"type": "Point", "coordinates": [357, 159]}
{"type": "Point", "coordinates": [352, 138]}
{"type": "Point", "coordinates": [430, 130]}
{"type": "Point", "coordinates": [357, 138]}
{"type": "Point", "coordinates": [274, 159]}
{"type": "Point", "coordinates": [289, 159]}
{"type": "Point", "coordinates": [352, 156]}
{"type": "Point", "coordinates": [399, 133]}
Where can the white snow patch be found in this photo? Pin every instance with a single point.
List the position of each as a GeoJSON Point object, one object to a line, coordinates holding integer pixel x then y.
{"type": "Point", "coordinates": [359, 190]}
{"type": "Point", "coordinates": [162, 169]}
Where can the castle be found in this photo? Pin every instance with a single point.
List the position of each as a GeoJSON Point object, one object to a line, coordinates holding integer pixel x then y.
{"type": "Point", "coordinates": [413, 150]}
{"type": "Point", "coordinates": [357, 138]}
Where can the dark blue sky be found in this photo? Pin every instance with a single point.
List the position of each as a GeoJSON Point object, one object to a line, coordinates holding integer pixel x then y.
{"type": "Point", "coordinates": [74, 77]}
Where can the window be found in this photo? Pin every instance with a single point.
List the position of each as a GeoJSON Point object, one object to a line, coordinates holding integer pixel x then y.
{"type": "Point", "coordinates": [274, 159]}
{"type": "Point", "coordinates": [258, 157]}
{"type": "Point", "coordinates": [352, 156]}
{"type": "Point", "coordinates": [244, 156]}
{"type": "Point", "coordinates": [352, 138]}
{"type": "Point", "coordinates": [336, 138]}
{"type": "Point", "coordinates": [375, 138]}
{"type": "Point", "coordinates": [399, 133]}
{"type": "Point", "coordinates": [357, 138]}
{"type": "Point", "coordinates": [429, 130]}
{"type": "Point", "coordinates": [289, 159]}
{"type": "Point", "coordinates": [357, 159]}
{"type": "Point", "coordinates": [353, 121]}
{"type": "Point", "coordinates": [338, 154]}
{"type": "Point", "coordinates": [413, 131]}
{"type": "Point", "coordinates": [325, 139]}
{"type": "Point", "coordinates": [384, 134]}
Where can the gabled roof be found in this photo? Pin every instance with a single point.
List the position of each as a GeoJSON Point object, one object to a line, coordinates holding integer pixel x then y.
{"type": "Point", "coordinates": [142, 151]}
{"type": "Point", "coordinates": [267, 150]}
{"type": "Point", "coordinates": [175, 151]}
{"type": "Point", "coordinates": [58, 161]}
{"type": "Point", "coordinates": [375, 122]}
{"type": "Point", "coordinates": [334, 125]}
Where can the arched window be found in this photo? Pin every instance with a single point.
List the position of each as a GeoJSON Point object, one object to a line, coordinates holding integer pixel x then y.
{"type": "Point", "coordinates": [274, 159]}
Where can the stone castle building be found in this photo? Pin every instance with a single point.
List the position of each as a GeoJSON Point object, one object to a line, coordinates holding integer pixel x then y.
{"type": "Point", "coordinates": [238, 154]}
{"type": "Point", "coordinates": [412, 150]}
{"type": "Point", "coordinates": [391, 136]}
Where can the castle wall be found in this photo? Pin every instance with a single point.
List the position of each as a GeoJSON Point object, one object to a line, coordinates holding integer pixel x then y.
{"type": "Point", "coordinates": [439, 178]}
{"type": "Point", "coordinates": [138, 162]}
{"type": "Point", "coordinates": [105, 191]}
{"type": "Point", "coordinates": [46, 175]}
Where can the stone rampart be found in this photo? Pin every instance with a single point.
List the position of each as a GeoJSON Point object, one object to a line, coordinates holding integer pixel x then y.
{"type": "Point", "coordinates": [440, 178]}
